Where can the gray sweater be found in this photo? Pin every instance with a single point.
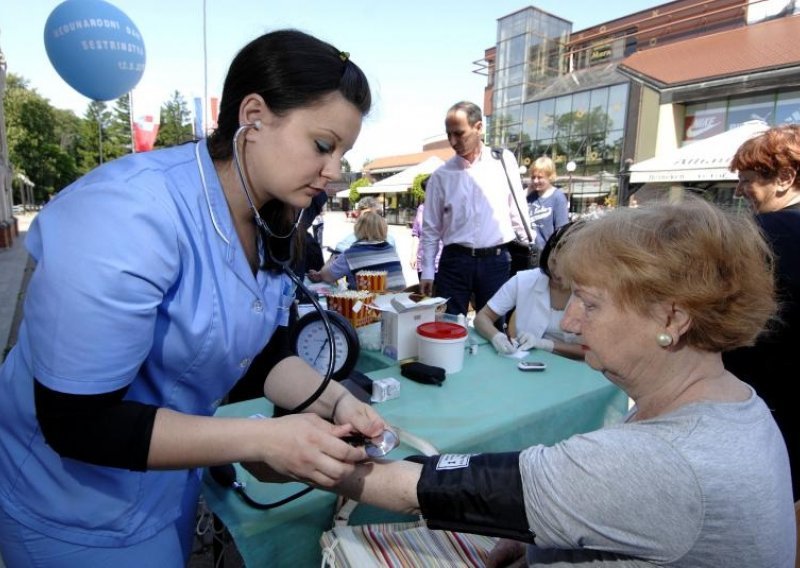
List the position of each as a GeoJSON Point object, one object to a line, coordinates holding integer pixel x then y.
{"type": "Point", "coordinates": [706, 485]}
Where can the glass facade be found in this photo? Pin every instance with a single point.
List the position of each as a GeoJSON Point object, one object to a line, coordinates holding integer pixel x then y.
{"type": "Point", "coordinates": [712, 117]}
{"type": "Point", "coordinates": [584, 127]}
{"type": "Point", "coordinates": [530, 46]}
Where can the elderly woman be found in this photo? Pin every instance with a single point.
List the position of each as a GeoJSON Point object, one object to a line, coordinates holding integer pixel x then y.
{"type": "Point", "coordinates": [537, 297]}
{"type": "Point", "coordinates": [768, 167]}
{"type": "Point", "coordinates": [697, 475]}
{"type": "Point", "coordinates": [370, 251]}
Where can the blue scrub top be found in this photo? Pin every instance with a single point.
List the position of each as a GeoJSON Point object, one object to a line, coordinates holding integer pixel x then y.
{"type": "Point", "coordinates": [140, 281]}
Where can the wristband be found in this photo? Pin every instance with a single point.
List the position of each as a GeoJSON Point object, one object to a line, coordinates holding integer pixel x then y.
{"type": "Point", "coordinates": [547, 345]}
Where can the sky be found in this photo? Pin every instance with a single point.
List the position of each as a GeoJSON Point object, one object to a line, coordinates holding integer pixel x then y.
{"type": "Point", "coordinates": [417, 54]}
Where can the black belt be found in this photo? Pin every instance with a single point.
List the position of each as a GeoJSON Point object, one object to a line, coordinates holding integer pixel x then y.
{"type": "Point", "coordinates": [478, 252]}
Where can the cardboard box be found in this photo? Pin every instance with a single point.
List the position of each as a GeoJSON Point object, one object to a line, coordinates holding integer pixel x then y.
{"type": "Point", "coordinates": [400, 316]}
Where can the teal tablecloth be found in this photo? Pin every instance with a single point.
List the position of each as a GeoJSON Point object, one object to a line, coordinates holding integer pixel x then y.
{"type": "Point", "coordinates": [489, 406]}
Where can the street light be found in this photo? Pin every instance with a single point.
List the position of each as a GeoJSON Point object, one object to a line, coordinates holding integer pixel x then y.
{"type": "Point", "coordinates": [570, 169]}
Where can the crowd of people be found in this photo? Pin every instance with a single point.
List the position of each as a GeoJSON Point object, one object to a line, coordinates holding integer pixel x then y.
{"type": "Point", "coordinates": [160, 276]}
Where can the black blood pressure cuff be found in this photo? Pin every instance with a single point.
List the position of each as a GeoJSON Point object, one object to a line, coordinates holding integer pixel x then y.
{"type": "Point", "coordinates": [474, 493]}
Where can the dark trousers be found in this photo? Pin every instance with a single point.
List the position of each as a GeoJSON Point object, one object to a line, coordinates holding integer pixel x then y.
{"type": "Point", "coordinates": [460, 276]}
{"type": "Point", "coordinates": [318, 232]}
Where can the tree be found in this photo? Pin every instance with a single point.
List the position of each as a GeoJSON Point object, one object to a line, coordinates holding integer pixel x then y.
{"type": "Point", "coordinates": [176, 123]}
{"type": "Point", "coordinates": [94, 146]}
{"type": "Point", "coordinates": [40, 138]}
{"type": "Point", "coordinates": [354, 196]}
{"type": "Point", "coordinates": [416, 186]}
{"type": "Point", "coordinates": [119, 129]}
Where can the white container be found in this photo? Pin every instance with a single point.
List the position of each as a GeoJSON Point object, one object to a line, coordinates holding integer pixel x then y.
{"type": "Point", "coordinates": [441, 344]}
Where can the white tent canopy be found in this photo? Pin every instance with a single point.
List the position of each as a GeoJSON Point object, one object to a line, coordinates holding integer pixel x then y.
{"type": "Point", "coordinates": [401, 181]}
{"type": "Point", "coordinates": [703, 160]}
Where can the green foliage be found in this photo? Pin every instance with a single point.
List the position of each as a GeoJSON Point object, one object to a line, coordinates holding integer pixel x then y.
{"type": "Point", "coordinates": [53, 147]}
{"type": "Point", "coordinates": [416, 187]}
{"type": "Point", "coordinates": [354, 195]}
{"type": "Point", "coordinates": [39, 139]}
{"type": "Point", "coordinates": [176, 122]}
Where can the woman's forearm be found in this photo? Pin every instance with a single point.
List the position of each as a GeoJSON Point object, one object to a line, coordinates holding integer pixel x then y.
{"type": "Point", "coordinates": [484, 322]}
{"type": "Point", "coordinates": [390, 485]}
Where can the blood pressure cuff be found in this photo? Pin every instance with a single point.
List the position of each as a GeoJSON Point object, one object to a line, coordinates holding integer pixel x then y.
{"type": "Point", "coordinates": [474, 493]}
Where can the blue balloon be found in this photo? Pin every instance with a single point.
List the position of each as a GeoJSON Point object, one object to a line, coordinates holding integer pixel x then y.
{"type": "Point", "coordinates": [95, 48]}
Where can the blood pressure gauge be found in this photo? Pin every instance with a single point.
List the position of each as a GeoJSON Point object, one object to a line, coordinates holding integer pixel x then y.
{"type": "Point", "coordinates": [310, 341]}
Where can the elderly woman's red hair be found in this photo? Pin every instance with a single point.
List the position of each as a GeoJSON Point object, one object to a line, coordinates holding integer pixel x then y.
{"type": "Point", "coordinates": [713, 263]}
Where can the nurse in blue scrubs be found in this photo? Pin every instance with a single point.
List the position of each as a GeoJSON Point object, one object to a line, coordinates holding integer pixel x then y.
{"type": "Point", "coordinates": [155, 286]}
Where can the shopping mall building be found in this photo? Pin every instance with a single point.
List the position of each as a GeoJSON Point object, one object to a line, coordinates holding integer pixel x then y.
{"type": "Point", "coordinates": [629, 101]}
{"type": "Point", "coordinates": [653, 102]}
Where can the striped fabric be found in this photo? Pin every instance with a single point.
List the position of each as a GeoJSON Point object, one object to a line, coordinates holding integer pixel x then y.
{"type": "Point", "coordinates": [402, 545]}
{"type": "Point", "coordinates": [366, 255]}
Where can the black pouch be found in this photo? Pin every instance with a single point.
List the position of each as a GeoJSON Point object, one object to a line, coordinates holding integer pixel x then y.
{"type": "Point", "coordinates": [422, 373]}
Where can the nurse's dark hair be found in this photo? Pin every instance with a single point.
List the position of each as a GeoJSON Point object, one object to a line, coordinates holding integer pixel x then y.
{"type": "Point", "coordinates": [290, 70]}
{"type": "Point", "coordinates": [552, 244]}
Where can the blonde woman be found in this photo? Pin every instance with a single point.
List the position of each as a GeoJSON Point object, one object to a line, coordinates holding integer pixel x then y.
{"type": "Point", "coordinates": [370, 251]}
{"type": "Point", "coordinates": [547, 204]}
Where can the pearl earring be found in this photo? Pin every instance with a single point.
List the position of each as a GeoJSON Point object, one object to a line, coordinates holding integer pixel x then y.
{"type": "Point", "coordinates": [664, 339]}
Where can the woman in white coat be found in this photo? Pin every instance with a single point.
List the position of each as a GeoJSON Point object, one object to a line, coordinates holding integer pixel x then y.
{"type": "Point", "coordinates": [538, 298]}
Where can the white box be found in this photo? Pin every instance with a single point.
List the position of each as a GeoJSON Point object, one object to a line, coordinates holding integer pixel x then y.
{"type": "Point", "coordinates": [400, 317]}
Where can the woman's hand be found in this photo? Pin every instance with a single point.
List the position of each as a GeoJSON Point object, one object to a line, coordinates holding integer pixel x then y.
{"type": "Point", "coordinates": [314, 276]}
{"type": "Point", "coordinates": [308, 448]}
{"type": "Point", "coordinates": [502, 344]}
{"type": "Point", "coordinates": [348, 410]}
{"type": "Point", "coordinates": [506, 553]}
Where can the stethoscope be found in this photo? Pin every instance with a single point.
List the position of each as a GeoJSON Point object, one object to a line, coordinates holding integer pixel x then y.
{"type": "Point", "coordinates": [225, 475]}
{"type": "Point", "coordinates": [265, 233]}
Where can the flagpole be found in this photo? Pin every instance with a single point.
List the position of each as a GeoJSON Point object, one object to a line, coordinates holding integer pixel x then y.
{"type": "Point", "coordinates": [130, 121]}
{"type": "Point", "coordinates": [205, 73]}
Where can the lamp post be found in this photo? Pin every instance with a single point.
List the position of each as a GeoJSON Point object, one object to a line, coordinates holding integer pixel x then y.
{"type": "Point", "coordinates": [570, 169]}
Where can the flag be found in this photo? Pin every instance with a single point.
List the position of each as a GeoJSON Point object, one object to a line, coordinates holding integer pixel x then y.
{"type": "Point", "coordinates": [145, 119]}
{"type": "Point", "coordinates": [199, 131]}
{"type": "Point", "coordinates": [145, 130]}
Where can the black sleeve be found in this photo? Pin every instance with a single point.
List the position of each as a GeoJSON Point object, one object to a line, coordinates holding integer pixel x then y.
{"type": "Point", "coordinates": [251, 385]}
{"type": "Point", "coordinates": [101, 429]}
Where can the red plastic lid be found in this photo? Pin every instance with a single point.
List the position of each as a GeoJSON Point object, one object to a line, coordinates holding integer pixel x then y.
{"type": "Point", "coordinates": [442, 330]}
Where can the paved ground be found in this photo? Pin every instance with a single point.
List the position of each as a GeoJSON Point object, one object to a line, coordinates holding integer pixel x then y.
{"type": "Point", "coordinates": [14, 271]}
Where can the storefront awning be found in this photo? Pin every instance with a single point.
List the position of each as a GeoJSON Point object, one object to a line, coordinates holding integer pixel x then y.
{"type": "Point", "coordinates": [703, 160]}
{"type": "Point", "coordinates": [402, 181]}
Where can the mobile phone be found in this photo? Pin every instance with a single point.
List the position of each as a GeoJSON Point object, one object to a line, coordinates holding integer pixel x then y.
{"type": "Point", "coordinates": [531, 366]}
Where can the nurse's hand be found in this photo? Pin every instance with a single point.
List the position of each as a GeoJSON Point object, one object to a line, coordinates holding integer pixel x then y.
{"type": "Point", "coordinates": [502, 344]}
{"type": "Point", "coordinates": [528, 341]}
{"type": "Point", "coordinates": [361, 416]}
{"type": "Point", "coordinates": [308, 448]}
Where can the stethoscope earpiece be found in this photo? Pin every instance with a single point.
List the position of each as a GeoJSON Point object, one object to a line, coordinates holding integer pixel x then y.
{"type": "Point", "coordinates": [257, 124]}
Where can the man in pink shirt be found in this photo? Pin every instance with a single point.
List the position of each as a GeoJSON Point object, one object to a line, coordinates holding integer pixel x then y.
{"type": "Point", "coordinates": [469, 207]}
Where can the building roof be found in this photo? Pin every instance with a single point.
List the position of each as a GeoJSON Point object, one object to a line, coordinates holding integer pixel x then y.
{"type": "Point", "coordinates": [396, 163]}
{"type": "Point", "coordinates": [765, 46]}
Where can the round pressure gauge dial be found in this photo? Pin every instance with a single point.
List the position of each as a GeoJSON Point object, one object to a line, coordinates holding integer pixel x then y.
{"type": "Point", "coordinates": [310, 341]}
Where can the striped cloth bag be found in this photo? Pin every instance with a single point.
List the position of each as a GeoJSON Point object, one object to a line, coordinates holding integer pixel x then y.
{"type": "Point", "coordinates": [402, 545]}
